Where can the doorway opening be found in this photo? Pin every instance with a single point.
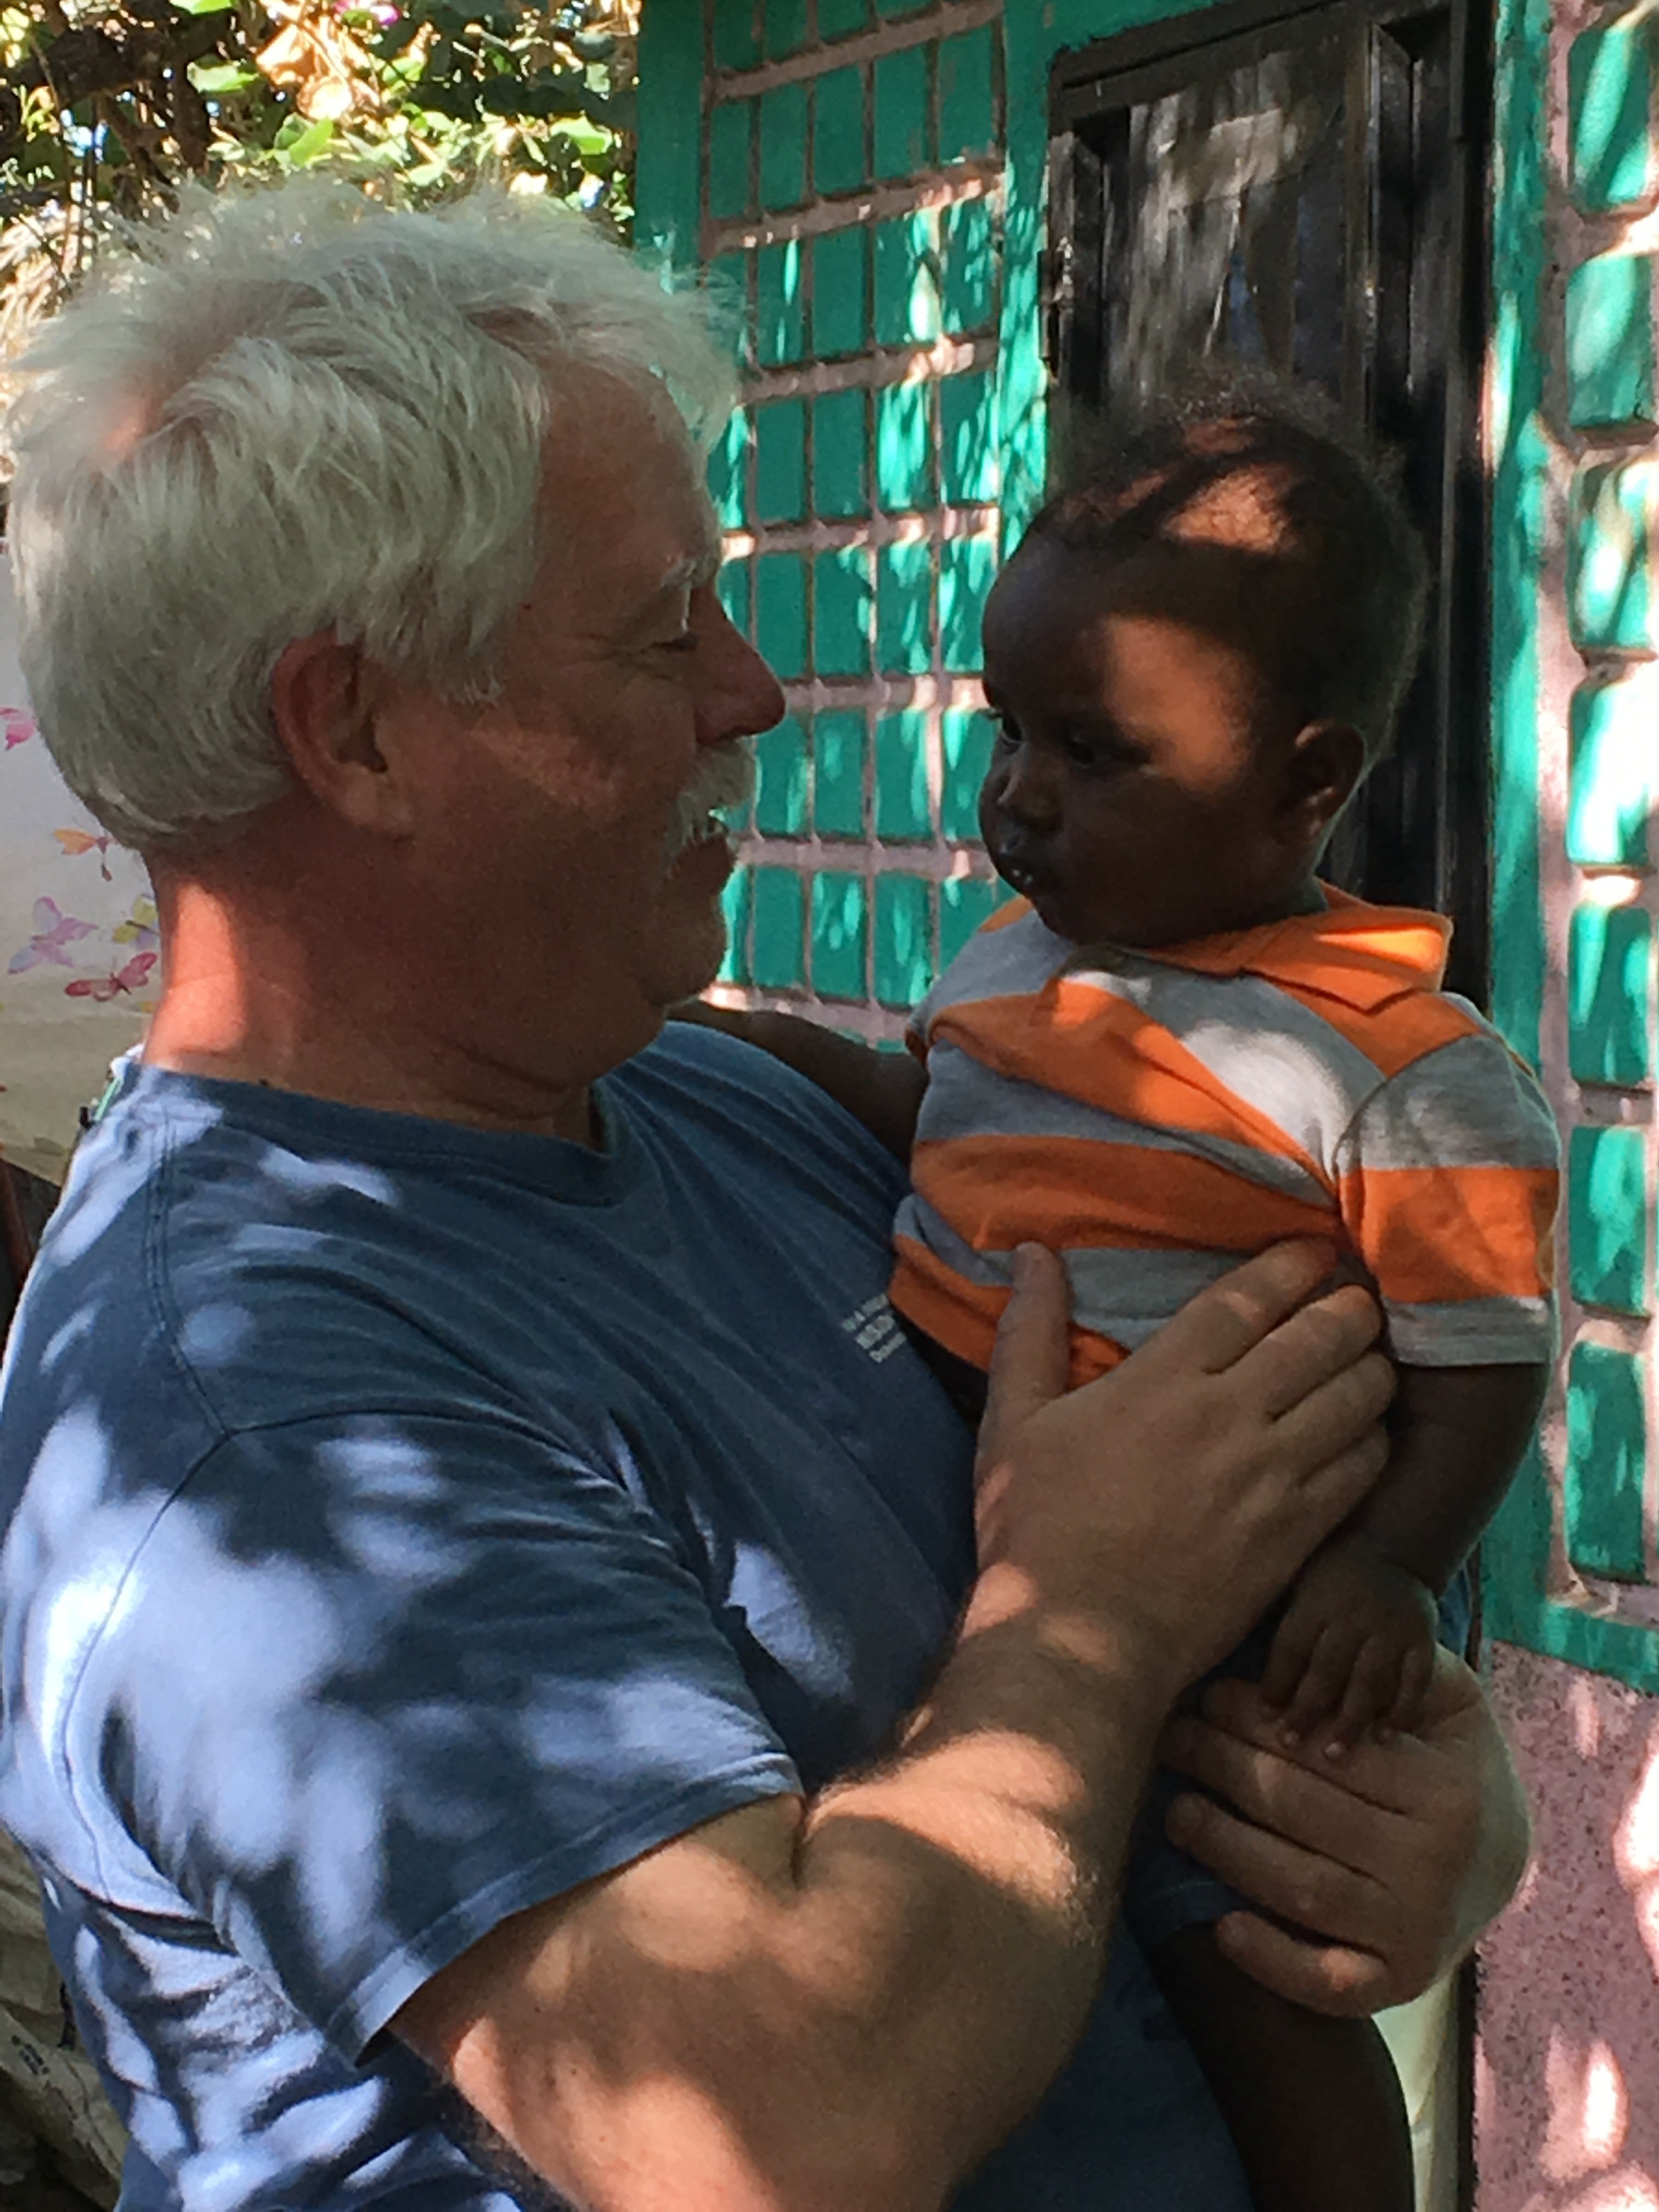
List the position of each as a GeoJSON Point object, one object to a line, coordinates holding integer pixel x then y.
{"type": "Point", "coordinates": [1302, 191]}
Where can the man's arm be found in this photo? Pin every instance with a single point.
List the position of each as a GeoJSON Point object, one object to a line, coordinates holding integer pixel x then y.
{"type": "Point", "coordinates": [883, 1089]}
{"type": "Point", "coordinates": [1392, 1861]}
{"type": "Point", "coordinates": [841, 2005]}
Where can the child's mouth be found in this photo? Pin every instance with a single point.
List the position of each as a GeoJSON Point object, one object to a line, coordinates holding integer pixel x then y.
{"type": "Point", "coordinates": [1021, 875]}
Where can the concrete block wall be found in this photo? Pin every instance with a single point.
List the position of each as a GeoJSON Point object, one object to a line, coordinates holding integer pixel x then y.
{"type": "Point", "coordinates": [1567, 2074]}
{"type": "Point", "coordinates": [1610, 189]}
{"type": "Point", "coordinates": [850, 195]}
{"type": "Point", "coordinates": [1576, 1559]}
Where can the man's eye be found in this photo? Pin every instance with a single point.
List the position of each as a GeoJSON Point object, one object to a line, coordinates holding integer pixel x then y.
{"type": "Point", "coordinates": [686, 641]}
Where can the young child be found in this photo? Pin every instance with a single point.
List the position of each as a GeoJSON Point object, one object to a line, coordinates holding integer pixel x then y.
{"type": "Point", "coordinates": [1179, 1048]}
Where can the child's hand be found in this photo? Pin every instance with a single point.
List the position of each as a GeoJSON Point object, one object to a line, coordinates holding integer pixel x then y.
{"type": "Point", "coordinates": [1356, 1646]}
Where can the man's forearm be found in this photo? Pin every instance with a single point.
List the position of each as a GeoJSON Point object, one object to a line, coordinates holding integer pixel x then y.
{"type": "Point", "coordinates": [1000, 1832]}
{"type": "Point", "coordinates": [918, 1954]}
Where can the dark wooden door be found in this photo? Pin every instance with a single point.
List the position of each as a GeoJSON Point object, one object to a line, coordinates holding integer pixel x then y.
{"type": "Point", "coordinates": [1302, 191]}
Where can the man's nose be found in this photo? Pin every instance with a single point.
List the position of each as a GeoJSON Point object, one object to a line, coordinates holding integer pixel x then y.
{"type": "Point", "coordinates": [743, 696]}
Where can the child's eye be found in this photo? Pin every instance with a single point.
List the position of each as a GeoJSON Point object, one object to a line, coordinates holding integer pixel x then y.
{"type": "Point", "coordinates": [1099, 750]}
{"type": "Point", "coordinates": [1007, 737]}
{"type": "Point", "coordinates": [1084, 753]}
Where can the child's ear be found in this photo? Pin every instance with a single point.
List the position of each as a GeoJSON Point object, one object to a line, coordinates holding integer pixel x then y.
{"type": "Point", "coordinates": [1326, 765]}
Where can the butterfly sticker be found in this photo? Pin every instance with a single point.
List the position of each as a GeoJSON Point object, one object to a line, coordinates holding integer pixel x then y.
{"type": "Point", "coordinates": [139, 929]}
{"type": "Point", "coordinates": [16, 727]}
{"type": "Point", "coordinates": [132, 977]}
{"type": "Point", "coordinates": [54, 931]}
{"type": "Point", "coordinates": [76, 842]}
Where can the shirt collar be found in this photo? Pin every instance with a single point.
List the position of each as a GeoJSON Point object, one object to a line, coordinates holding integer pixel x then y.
{"type": "Point", "coordinates": [1360, 955]}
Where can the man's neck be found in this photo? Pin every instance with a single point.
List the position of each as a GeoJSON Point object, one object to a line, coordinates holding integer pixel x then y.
{"type": "Point", "coordinates": [248, 999]}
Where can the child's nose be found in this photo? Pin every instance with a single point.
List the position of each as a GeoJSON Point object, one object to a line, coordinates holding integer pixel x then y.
{"type": "Point", "coordinates": [1029, 791]}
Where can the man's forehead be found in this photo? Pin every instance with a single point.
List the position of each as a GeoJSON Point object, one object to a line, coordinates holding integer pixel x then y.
{"type": "Point", "coordinates": [624, 501]}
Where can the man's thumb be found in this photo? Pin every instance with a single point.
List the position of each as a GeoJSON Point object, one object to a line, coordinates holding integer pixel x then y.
{"type": "Point", "coordinates": [1031, 1362]}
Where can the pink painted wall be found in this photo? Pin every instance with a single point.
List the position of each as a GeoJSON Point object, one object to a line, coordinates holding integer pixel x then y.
{"type": "Point", "coordinates": [1567, 2061]}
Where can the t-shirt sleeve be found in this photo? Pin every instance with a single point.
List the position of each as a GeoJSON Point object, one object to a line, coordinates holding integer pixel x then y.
{"type": "Point", "coordinates": [1447, 1181]}
{"type": "Point", "coordinates": [403, 1676]}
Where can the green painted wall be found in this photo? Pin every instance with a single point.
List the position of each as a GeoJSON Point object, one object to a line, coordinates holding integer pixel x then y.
{"type": "Point", "coordinates": [838, 168]}
{"type": "Point", "coordinates": [1571, 1562]}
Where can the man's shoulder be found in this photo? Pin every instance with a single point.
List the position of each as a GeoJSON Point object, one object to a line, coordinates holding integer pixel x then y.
{"type": "Point", "coordinates": [257, 1258]}
{"type": "Point", "coordinates": [218, 1262]}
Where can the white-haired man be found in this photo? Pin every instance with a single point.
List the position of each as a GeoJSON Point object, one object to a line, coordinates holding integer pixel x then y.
{"type": "Point", "coordinates": [499, 1680]}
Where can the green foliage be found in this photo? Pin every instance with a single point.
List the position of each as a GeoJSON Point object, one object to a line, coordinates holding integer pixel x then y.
{"type": "Point", "coordinates": [108, 105]}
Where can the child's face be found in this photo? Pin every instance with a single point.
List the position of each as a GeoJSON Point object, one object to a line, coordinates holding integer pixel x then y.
{"type": "Point", "coordinates": [1131, 796]}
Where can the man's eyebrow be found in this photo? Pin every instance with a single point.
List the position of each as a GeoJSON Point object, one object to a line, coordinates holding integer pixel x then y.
{"type": "Point", "coordinates": [683, 576]}
{"type": "Point", "coordinates": [691, 570]}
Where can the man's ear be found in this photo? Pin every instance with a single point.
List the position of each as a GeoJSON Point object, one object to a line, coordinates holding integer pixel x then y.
{"type": "Point", "coordinates": [1326, 766]}
{"type": "Point", "coordinates": [325, 702]}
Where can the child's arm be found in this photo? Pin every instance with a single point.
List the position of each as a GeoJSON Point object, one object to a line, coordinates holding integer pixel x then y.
{"type": "Point", "coordinates": [1356, 1645]}
{"type": "Point", "coordinates": [1447, 1184]}
{"type": "Point", "coordinates": [883, 1089]}
{"type": "Point", "coordinates": [1459, 1435]}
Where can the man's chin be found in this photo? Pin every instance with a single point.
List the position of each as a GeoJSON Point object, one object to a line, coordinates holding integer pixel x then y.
{"type": "Point", "coordinates": [692, 964]}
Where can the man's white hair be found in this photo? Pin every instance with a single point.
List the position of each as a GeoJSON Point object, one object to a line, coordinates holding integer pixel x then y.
{"type": "Point", "coordinates": [290, 410]}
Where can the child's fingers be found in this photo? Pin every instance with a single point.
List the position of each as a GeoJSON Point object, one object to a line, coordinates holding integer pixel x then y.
{"type": "Point", "coordinates": [1288, 1654]}
{"type": "Point", "coordinates": [1324, 1679]}
{"type": "Point", "coordinates": [1416, 1672]}
{"type": "Point", "coordinates": [1373, 1687]}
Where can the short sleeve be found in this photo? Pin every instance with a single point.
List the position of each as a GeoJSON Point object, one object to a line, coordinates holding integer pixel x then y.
{"type": "Point", "coordinates": [1448, 1184]}
{"type": "Point", "coordinates": [403, 1676]}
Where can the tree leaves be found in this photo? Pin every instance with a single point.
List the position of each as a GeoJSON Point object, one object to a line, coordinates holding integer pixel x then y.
{"type": "Point", "coordinates": [106, 105]}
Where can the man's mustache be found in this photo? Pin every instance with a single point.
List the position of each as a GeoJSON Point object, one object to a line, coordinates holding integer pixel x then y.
{"type": "Point", "coordinates": [725, 777]}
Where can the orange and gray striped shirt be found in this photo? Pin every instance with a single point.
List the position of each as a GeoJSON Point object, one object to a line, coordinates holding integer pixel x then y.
{"type": "Point", "coordinates": [1156, 1118]}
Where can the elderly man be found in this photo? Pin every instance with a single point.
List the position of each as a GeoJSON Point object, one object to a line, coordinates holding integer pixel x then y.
{"type": "Point", "coordinates": [500, 1681]}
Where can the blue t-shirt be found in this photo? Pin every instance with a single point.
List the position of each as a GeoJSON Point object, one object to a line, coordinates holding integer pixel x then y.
{"type": "Point", "coordinates": [407, 1523]}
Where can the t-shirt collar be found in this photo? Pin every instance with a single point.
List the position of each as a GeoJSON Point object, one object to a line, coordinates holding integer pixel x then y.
{"type": "Point", "coordinates": [1358, 954]}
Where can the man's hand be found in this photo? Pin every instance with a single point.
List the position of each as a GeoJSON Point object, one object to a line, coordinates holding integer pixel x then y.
{"type": "Point", "coordinates": [1176, 1496]}
{"type": "Point", "coordinates": [1393, 1862]}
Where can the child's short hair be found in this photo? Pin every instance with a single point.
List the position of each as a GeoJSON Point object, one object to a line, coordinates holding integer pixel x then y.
{"type": "Point", "coordinates": [1314, 569]}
